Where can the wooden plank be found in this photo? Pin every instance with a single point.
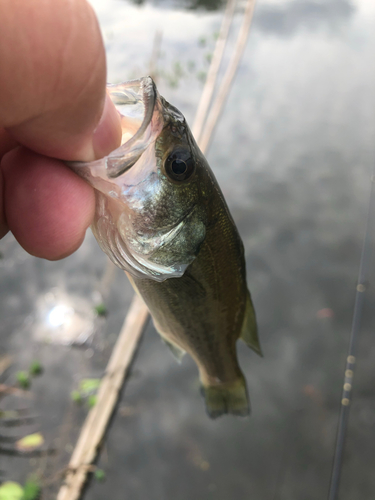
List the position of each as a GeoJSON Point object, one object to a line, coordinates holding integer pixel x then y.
{"type": "Point", "coordinates": [209, 87]}
{"type": "Point", "coordinates": [97, 420]}
{"type": "Point", "coordinates": [230, 73]}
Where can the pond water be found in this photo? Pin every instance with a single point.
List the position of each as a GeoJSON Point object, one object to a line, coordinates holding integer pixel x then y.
{"type": "Point", "coordinates": [293, 153]}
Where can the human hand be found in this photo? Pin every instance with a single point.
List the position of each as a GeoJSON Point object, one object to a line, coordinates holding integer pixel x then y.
{"type": "Point", "coordinates": [52, 96]}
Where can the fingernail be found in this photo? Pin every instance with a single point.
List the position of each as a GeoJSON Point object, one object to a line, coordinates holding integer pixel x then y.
{"type": "Point", "coordinates": [107, 135]}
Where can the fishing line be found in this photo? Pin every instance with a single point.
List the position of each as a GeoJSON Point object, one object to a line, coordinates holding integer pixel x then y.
{"type": "Point", "coordinates": [362, 285]}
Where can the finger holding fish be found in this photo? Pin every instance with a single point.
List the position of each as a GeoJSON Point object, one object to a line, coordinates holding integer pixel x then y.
{"type": "Point", "coordinates": [53, 109]}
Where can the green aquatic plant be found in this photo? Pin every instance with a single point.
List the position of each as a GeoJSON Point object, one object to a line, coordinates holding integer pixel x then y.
{"type": "Point", "coordinates": [87, 389]}
{"type": "Point", "coordinates": [99, 475]}
{"type": "Point", "coordinates": [91, 401]}
{"type": "Point", "coordinates": [10, 490]}
{"type": "Point", "coordinates": [202, 41]}
{"type": "Point", "coordinates": [181, 69]}
{"type": "Point", "coordinates": [101, 309]}
{"type": "Point", "coordinates": [32, 489]}
{"type": "Point", "coordinates": [76, 396]}
{"type": "Point", "coordinates": [88, 386]}
{"type": "Point", "coordinates": [202, 75]}
{"type": "Point", "coordinates": [35, 368]}
{"type": "Point", "coordinates": [23, 379]}
{"type": "Point", "coordinates": [30, 442]}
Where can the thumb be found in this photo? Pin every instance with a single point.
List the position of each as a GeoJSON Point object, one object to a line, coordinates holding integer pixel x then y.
{"type": "Point", "coordinates": [52, 82]}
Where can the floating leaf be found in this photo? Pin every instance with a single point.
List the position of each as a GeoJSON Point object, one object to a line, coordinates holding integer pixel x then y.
{"type": "Point", "coordinates": [173, 82]}
{"type": "Point", "coordinates": [191, 66]}
{"type": "Point", "coordinates": [31, 490]}
{"type": "Point", "coordinates": [101, 310]}
{"type": "Point", "coordinates": [23, 379]}
{"type": "Point", "coordinates": [89, 385]}
{"type": "Point", "coordinates": [11, 491]}
{"type": "Point", "coordinates": [202, 75]}
{"type": "Point", "coordinates": [208, 58]}
{"type": "Point", "coordinates": [91, 401]}
{"type": "Point", "coordinates": [30, 442]}
{"type": "Point", "coordinates": [202, 41]}
{"type": "Point", "coordinates": [178, 71]}
{"type": "Point", "coordinates": [9, 414]}
{"type": "Point", "coordinates": [35, 368]}
{"type": "Point", "coordinates": [76, 396]}
{"type": "Point", "coordinates": [99, 475]}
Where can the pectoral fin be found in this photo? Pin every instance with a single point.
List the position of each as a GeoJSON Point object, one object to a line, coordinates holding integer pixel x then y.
{"type": "Point", "coordinates": [249, 332]}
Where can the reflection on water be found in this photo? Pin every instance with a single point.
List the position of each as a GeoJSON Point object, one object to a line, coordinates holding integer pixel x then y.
{"type": "Point", "coordinates": [185, 4]}
{"type": "Point", "coordinates": [62, 318]}
{"type": "Point", "coordinates": [293, 153]}
{"type": "Point", "coordinates": [284, 18]}
{"type": "Point", "coordinates": [281, 17]}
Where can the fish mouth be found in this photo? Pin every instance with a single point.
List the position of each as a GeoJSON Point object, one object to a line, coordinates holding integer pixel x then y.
{"type": "Point", "coordinates": [135, 101]}
{"type": "Point", "coordinates": [139, 106]}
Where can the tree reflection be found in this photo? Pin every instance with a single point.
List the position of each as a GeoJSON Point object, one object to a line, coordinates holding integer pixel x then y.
{"type": "Point", "coordinates": [185, 4]}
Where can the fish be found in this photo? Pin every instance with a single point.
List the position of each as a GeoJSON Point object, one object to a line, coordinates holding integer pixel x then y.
{"type": "Point", "coordinates": [161, 216]}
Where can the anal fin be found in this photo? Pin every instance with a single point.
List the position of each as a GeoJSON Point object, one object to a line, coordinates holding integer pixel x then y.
{"type": "Point", "coordinates": [177, 352]}
{"type": "Point", "coordinates": [249, 332]}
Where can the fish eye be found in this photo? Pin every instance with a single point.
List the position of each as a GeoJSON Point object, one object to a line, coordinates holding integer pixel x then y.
{"type": "Point", "coordinates": [179, 166]}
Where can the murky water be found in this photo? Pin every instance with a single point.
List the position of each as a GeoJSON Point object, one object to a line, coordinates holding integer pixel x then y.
{"type": "Point", "coordinates": [294, 153]}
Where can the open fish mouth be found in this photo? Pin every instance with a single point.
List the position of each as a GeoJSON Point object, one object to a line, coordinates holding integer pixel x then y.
{"type": "Point", "coordinates": [135, 101]}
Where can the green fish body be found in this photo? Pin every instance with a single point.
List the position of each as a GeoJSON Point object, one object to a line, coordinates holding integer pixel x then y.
{"type": "Point", "coordinates": [161, 216]}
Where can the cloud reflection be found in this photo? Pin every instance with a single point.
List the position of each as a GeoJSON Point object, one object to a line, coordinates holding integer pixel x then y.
{"type": "Point", "coordinates": [287, 18]}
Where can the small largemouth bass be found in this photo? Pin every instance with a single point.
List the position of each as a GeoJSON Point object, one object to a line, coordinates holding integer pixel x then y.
{"type": "Point", "coordinates": [160, 216]}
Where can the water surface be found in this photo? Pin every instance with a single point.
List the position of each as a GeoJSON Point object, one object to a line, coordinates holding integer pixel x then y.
{"type": "Point", "coordinates": [294, 153]}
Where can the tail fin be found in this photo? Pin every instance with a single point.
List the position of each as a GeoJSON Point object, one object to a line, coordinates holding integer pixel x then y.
{"type": "Point", "coordinates": [227, 398]}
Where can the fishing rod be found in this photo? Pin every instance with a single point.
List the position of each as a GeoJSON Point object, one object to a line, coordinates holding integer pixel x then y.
{"type": "Point", "coordinates": [362, 286]}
